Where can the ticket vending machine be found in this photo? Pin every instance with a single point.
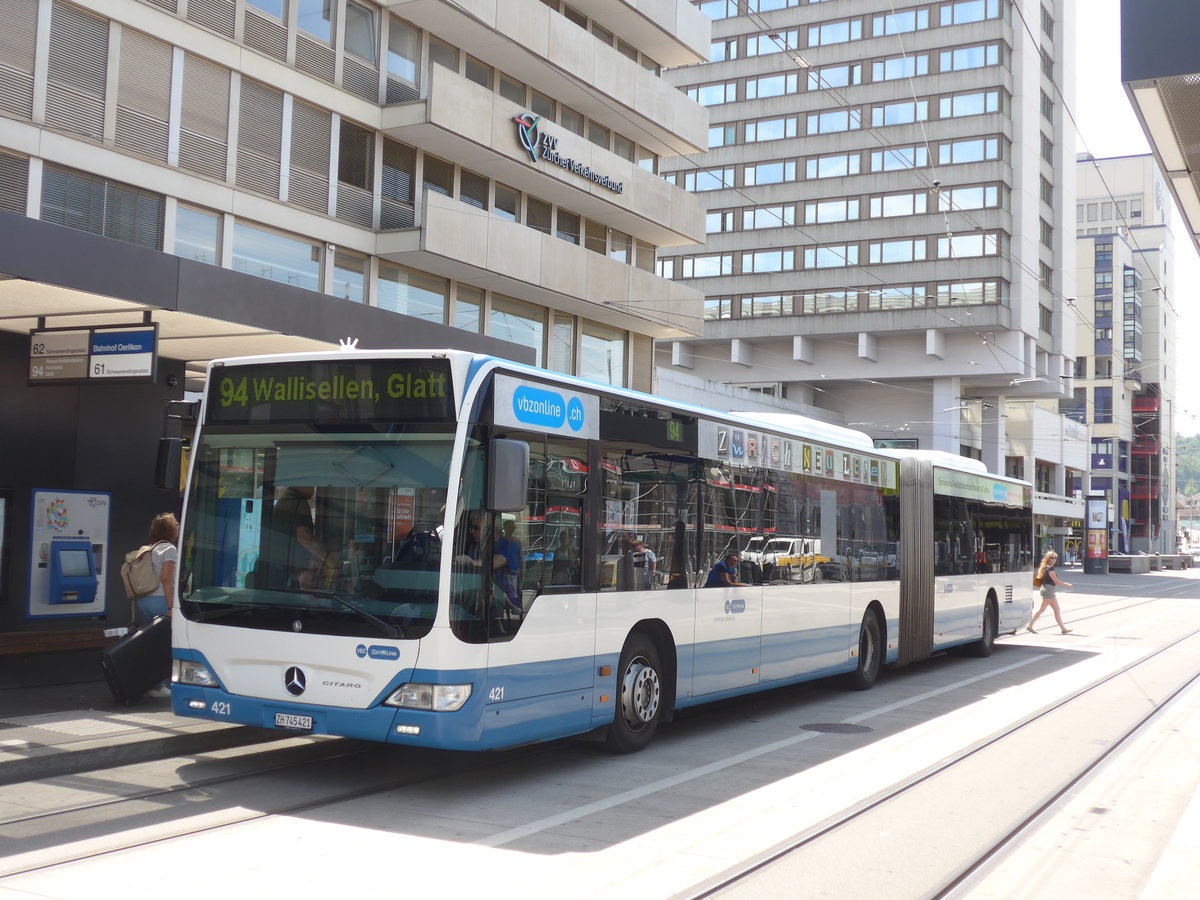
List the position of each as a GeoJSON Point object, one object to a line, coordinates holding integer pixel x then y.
{"type": "Point", "coordinates": [72, 572]}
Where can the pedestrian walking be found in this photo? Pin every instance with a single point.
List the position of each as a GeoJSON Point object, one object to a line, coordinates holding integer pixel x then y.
{"type": "Point", "coordinates": [1049, 583]}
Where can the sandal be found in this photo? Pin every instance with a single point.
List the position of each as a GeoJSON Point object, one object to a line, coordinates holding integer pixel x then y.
{"type": "Point", "coordinates": [1029, 628]}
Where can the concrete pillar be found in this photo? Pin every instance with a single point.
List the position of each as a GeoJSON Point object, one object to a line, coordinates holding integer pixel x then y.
{"type": "Point", "coordinates": [945, 415]}
{"type": "Point", "coordinates": [995, 439]}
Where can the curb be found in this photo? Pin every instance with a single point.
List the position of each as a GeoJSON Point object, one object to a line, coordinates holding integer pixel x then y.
{"type": "Point", "coordinates": [59, 762]}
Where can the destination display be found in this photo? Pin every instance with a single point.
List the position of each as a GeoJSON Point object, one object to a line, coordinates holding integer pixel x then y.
{"type": "Point", "coordinates": [979, 487]}
{"type": "Point", "coordinates": [368, 392]}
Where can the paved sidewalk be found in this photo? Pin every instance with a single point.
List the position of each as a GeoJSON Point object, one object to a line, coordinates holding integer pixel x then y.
{"type": "Point", "coordinates": [62, 729]}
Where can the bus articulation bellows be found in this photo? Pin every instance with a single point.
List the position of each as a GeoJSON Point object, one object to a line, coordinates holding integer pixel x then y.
{"type": "Point", "coordinates": [448, 550]}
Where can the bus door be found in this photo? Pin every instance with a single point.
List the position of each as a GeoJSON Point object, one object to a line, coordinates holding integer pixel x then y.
{"type": "Point", "coordinates": [728, 619]}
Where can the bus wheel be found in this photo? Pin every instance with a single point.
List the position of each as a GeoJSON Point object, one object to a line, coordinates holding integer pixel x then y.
{"type": "Point", "coordinates": [639, 696]}
{"type": "Point", "coordinates": [870, 653]}
{"type": "Point", "coordinates": [987, 641]}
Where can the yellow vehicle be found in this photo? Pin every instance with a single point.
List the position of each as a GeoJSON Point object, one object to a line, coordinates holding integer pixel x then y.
{"type": "Point", "coordinates": [793, 559]}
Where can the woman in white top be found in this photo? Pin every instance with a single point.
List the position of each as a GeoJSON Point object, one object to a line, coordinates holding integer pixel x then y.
{"type": "Point", "coordinates": [164, 555]}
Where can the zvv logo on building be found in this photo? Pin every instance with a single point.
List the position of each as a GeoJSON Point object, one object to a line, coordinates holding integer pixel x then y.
{"type": "Point", "coordinates": [545, 146]}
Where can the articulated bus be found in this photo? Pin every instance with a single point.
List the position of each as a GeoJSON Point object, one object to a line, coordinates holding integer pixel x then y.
{"type": "Point", "coordinates": [448, 550]}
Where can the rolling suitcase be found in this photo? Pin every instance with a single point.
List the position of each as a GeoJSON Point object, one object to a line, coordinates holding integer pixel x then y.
{"type": "Point", "coordinates": [139, 661]}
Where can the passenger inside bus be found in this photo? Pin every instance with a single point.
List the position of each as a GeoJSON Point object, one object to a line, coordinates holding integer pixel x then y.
{"type": "Point", "coordinates": [294, 553]}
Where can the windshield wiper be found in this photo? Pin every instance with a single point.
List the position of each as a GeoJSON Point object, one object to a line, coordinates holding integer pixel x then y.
{"type": "Point", "coordinates": [394, 630]}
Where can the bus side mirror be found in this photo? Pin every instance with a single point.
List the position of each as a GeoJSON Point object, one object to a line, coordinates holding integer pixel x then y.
{"type": "Point", "coordinates": [508, 475]}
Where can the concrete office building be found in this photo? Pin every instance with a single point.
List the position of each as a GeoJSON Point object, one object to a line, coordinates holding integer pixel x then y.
{"type": "Point", "coordinates": [270, 175]}
{"type": "Point", "coordinates": [886, 184]}
{"type": "Point", "coordinates": [1127, 342]}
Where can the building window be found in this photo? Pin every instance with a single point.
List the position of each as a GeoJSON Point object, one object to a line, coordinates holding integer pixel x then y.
{"type": "Point", "coordinates": [708, 179]}
{"type": "Point", "coordinates": [412, 293]}
{"type": "Point", "coordinates": [438, 176]}
{"type": "Point", "coordinates": [443, 54]}
{"type": "Point", "coordinates": [360, 31]}
{"type": "Point", "coordinates": [595, 237]}
{"type": "Point", "coordinates": [479, 72]}
{"type": "Point", "coordinates": [965, 246]}
{"type": "Point", "coordinates": [1102, 405]}
{"type": "Point", "coordinates": [834, 121]}
{"type": "Point", "coordinates": [770, 217]}
{"type": "Point", "coordinates": [976, 103]}
{"type": "Point", "coordinates": [270, 7]}
{"type": "Point", "coordinates": [965, 11]}
{"type": "Point", "coordinates": [890, 205]}
{"type": "Point", "coordinates": [825, 211]}
{"type": "Point", "coordinates": [770, 129]}
{"type": "Point", "coordinates": [520, 323]}
{"type": "Point", "coordinates": [507, 204]}
{"type": "Point", "coordinates": [567, 227]}
{"type": "Point", "coordinates": [770, 173]}
{"type": "Point", "coordinates": [903, 112]}
{"type": "Point", "coordinates": [897, 251]}
{"type": "Point", "coordinates": [570, 120]}
{"type": "Point", "coordinates": [597, 134]}
{"type": "Point", "coordinates": [900, 23]}
{"type": "Point", "coordinates": [276, 257]}
{"type": "Point", "coordinates": [963, 198]}
{"type": "Point", "coordinates": [1046, 319]}
{"type": "Point", "coordinates": [833, 166]}
{"type": "Point", "coordinates": [969, 151]}
{"type": "Point", "coordinates": [404, 51]}
{"type": "Point", "coordinates": [722, 135]}
{"type": "Point", "coordinates": [356, 156]}
{"type": "Point", "coordinates": [834, 77]}
{"type": "Point", "coordinates": [602, 354]}
{"type": "Point", "coordinates": [468, 302]}
{"type": "Point", "coordinates": [315, 17]}
{"type": "Point", "coordinates": [976, 57]}
{"type": "Point", "coordinates": [350, 276]}
{"type": "Point", "coordinates": [900, 67]}
{"type": "Point", "coordinates": [898, 158]}
{"type": "Point", "coordinates": [834, 256]}
{"type": "Point", "coordinates": [834, 33]}
{"type": "Point", "coordinates": [473, 189]}
{"type": "Point", "coordinates": [100, 206]}
{"type": "Point", "coordinates": [539, 215]}
{"type": "Point", "coordinates": [197, 235]}
{"type": "Point", "coordinates": [561, 354]}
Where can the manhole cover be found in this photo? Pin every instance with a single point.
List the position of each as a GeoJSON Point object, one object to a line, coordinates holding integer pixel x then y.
{"type": "Point", "coordinates": [836, 728]}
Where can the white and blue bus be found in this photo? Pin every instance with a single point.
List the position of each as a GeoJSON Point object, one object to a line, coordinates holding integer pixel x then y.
{"type": "Point", "coordinates": [442, 549]}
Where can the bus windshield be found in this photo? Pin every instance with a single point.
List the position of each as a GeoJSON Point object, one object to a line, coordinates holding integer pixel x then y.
{"type": "Point", "coordinates": [317, 532]}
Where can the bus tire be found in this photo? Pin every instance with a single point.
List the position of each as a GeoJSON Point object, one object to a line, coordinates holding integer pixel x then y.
{"type": "Point", "coordinates": [639, 696]}
{"type": "Point", "coordinates": [987, 641]}
{"type": "Point", "coordinates": [870, 653]}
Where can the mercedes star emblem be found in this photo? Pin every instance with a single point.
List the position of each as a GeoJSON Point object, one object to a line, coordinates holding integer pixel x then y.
{"type": "Point", "coordinates": [294, 681]}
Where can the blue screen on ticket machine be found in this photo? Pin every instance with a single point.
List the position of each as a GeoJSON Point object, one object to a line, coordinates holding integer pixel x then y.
{"type": "Point", "coordinates": [72, 572]}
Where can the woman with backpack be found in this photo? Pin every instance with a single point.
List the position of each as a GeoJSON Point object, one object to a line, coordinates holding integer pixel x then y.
{"type": "Point", "coordinates": [164, 558]}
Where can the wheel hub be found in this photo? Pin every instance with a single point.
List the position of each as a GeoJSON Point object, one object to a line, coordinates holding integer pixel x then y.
{"type": "Point", "coordinates": [640, 693]}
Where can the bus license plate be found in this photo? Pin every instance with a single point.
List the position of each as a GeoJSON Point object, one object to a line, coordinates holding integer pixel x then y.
{"type": "Point", "coordinates": [293, 722]}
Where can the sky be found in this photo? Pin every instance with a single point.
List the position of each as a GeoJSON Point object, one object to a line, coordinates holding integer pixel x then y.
{"type": "Point", "coordinates": [1108, 127]}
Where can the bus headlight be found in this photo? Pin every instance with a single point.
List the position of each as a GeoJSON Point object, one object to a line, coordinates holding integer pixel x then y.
{"type": "Point", "coordinates": [186, 671]}
{"type": "Point", "coordinates": [435, 697]}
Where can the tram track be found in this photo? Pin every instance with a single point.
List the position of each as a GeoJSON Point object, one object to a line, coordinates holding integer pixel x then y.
{"type": "Point", "coordinates": [731, 883]}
